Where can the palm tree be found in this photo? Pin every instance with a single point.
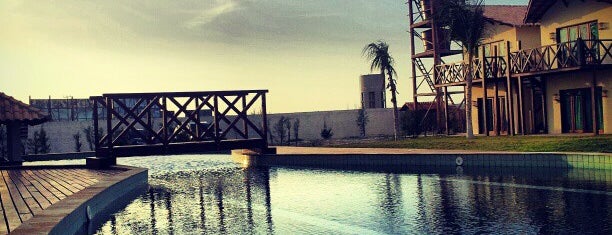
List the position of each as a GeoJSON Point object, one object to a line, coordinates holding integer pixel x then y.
{"type": "Point", "coordinates": [378, 54]}
{"type": "Point", "coordinates": [465, 21]}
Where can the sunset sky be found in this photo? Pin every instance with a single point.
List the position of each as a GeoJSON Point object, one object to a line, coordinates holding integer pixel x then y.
{"type": "Point", "coordinates": [306, 52]}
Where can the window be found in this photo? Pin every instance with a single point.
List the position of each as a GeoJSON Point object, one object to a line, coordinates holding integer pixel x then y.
{"type": "Point", "coordinates": [372, 100]}
{"type": "Point", "coordinates": [586, 31]}
{"type": "Point", "coordinates": [489, 48]}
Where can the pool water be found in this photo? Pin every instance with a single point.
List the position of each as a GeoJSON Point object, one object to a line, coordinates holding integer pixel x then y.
{"type": "Point", "coordinates": [198, 194]}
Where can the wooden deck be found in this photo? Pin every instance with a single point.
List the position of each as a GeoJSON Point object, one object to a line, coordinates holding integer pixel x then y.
{"type": "Point", "coordinates": [26, 192]}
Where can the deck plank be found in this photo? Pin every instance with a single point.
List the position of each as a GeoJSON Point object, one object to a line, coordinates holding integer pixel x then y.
{"type": "Point", "coordinates": [24, 193]}
{"type": "Point", "coordinates": [10, 211]}
{"type": "Point", "coordinates": [69, 178]}
{"type": "Point", "coordinates": [47, 194]}
{"type": "Point", "coordinates": [20, 204]}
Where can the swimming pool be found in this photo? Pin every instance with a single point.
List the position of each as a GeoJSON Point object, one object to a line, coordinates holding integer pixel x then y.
{"type": "Point", "coordinates": [196, 194]}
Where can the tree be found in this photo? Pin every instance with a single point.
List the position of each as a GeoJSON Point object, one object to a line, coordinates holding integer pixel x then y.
{"type": "Point", "coordinates": [296, 130]}
{"type": "Point", "coordinates": [288, 127]}
{"type": "Point", "coordinates": [89, 136]}
{"type": "Point", "coordinates": [378, 54]}
{"type": "Point", "coordinates": [40, 142]}
{"type": "Point", "coordinates": [77, 142]}
{"type": "Point", "coordinates": [465, 21]}
{"type": "Point", "coordinates": [362, 121]}
{"type": "Point", "coordinates": [279, 128]}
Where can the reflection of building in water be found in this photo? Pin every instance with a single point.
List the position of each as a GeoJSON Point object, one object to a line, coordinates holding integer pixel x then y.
{"type": "Point", "coordinates": [71, 109]}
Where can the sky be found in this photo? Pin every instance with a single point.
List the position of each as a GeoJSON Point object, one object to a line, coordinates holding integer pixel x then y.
{"type": "Point", "coordinates": [307, 53]}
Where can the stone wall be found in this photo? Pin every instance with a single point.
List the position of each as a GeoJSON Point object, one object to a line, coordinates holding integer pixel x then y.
{"type": "Point", "coordinates": [343, 124]}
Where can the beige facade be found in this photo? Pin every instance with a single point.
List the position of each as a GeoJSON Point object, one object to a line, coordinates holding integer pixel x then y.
{"type": "Point", "coordinates": [556, 77]}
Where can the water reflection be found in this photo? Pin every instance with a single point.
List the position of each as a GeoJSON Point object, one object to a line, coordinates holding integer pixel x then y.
{"type": "Point", "coordinates": [211, 195]}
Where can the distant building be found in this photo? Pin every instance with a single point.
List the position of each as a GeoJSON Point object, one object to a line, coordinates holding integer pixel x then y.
{"type": "Point", "coordinates": [372, 91]}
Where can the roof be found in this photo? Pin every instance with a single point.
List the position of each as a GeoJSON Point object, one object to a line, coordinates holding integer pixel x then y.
{"type": "Point", "coordinates": [536, 10]}
{"type": "Point", "coordinates": [424, 106]}
{"type": "Point", "coordinates": [15, 110]}
{"type": "Point", "coordinates": [506, 14]}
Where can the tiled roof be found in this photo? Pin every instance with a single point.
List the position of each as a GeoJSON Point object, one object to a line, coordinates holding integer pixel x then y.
{"type": "Point", "coordinates": [15, 110]}
{"type": "Point", "coordinates": [512, 15]}
{"type": "Point", "coordinates": [536, 10]}
{"type": "Point", "coordinates": [424, 106]}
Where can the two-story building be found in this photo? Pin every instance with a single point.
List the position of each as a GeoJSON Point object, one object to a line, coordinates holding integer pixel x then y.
{"type": "Point", "coordinates": [544, 68]}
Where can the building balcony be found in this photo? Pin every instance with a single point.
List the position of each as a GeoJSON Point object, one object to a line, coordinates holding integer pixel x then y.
{"type": "Point", "coordinates": [562, 57]}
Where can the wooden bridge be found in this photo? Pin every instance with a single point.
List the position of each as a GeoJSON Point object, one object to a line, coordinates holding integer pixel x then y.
{"type": "Point", "coordinates": [140, 124]}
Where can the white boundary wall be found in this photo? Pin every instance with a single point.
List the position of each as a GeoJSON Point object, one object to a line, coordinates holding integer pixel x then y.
{"type": "Point", "coordinates": [342, 122]}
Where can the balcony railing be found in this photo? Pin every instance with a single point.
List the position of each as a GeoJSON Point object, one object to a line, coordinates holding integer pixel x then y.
{"type": "Point", "coordinates": [494, 66]}
{"type": "Point", "coordinates": [560, 56]}
{"type": "Point", "coordinates": [574, 54]}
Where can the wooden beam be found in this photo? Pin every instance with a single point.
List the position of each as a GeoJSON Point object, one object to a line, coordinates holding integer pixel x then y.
{"type": "Point", "coordinates": [496, 118]}
{"type": "Point", "coordinates": [446, 110]}
{"type": "Point", "coordinates": [521, 106]}
{"type": "Point", "coordinates": [544, 106]}
{"type": "Point", "coordinates": [509, 98]}
{"type": "Point", "coordinates": [484, 92]}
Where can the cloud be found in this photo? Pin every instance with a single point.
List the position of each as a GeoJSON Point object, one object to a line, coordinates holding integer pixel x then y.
{"type": "Point", "coordinates": [208, 15]}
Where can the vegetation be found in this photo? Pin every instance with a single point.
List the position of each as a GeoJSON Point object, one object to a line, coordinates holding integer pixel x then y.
{"type": "Point", "coordinates": [465, 21]}
{"type": "Point", "coordinates": [407, 120]}
{"type": "Point", "coordinates": [378, 54]}
{"type": "Point", "coordinates": [602, 143]}
{"type": "Point", "coordinates": [77, 142]}
{"type": "Point", "coordinates": [362, 121]}
{"type": "Point", "coordinates": [2, 141]}
{"type": "Point", "coordinates": [326, 133]}
{"type": "Point", "coordinates": [89, 136]}
{"type": "Point", "coordinates": [296, 130]}
{"type": "Point", "coordinates": [40, 143]}
{"type": "Point", "coordinates": [280, 128]}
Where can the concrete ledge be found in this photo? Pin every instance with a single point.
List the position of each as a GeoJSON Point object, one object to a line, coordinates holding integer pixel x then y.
{"type": "Point", "coordinates": [343, 157]}
{"type": "Point", "coordinates": [58, 156]}
{"type": "Point", "coordinates": [85, 210]}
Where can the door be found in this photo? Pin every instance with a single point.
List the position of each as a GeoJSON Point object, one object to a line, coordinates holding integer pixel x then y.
{"type": "Point", "coordinates": [576, 110]}
{"type": "Point", "coordinates": [485, 117]}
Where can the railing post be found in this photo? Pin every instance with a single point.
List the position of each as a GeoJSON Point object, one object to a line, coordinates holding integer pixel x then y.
{"type": "Point", "coordinates": [484, 92]}
{"type": "Point", "coordinates": [244, 111]}
{"type": "Point", "coordinates": [109, 126]}
{"type": "Point", "coordinates": [216, 119]}
{"type": "Point", "coordinates": [264, 118]}
{"type": "Point", "coordinates": [580, 52]}
{"type": "Point", "coordinates": [197, 116]}
{"type": "Point", "coordinates": [165, 122]}
{"type": "Point", "coordinates": [509, 97]}
{"type": "Point", "coordinates": [95, 126]}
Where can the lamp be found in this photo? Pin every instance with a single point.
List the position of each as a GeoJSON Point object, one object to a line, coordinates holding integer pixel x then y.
{"type": "Point", "coordinates": [604, 93]}
{"type": "Point", "coordinates": [553, 36]}
{"type": "Point", "coordinates": [556, 97]}
{"type": "Point", "coordinates": [474, 103]}
{"type": "Point", "coordinates": [603, 25]}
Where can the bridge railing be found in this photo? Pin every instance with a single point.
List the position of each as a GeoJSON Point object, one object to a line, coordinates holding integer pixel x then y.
{"type": "Point", "coordinates": [179, 120]}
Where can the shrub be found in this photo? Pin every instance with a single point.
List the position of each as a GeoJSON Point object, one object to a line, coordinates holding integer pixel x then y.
{"type": "Point", "coordinates": [296, 130]}
{"type": "Point", "coordinates": [89, 136]}
{"type": "Point", "coordinates": [362, 121]}
{"type": "Point", "coordinates": [408, 123]}
{"type": "Point", "coordinates": [326, 133]}
{"type": "Point", "coordinates": [77, 142]}
{"type": "Point", "coordinates": [40, 142]}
